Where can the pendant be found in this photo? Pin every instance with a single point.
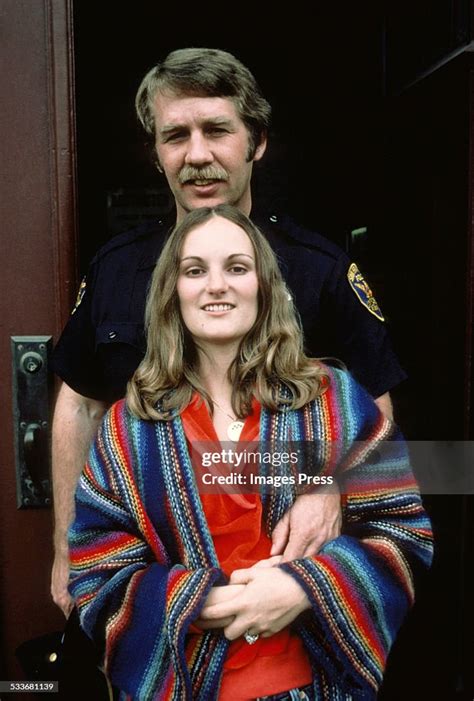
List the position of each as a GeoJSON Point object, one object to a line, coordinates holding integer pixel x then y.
{"type": "Point", "coordinates": [234, 430]}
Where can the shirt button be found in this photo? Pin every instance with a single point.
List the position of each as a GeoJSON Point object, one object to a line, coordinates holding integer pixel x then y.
{"type": "Point", "coordinates": [274, 218]}
{"type": "Point", "coordinates": [112, 335]}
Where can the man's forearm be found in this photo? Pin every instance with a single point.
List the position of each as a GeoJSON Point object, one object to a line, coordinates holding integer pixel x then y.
{"type": "Point", "coordinates": [75, 423]}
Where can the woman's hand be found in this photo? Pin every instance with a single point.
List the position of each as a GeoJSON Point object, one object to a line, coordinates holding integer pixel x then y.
{"type": "Point", "coordinates": [269, 562]}
{"type": "Point", "coordinates": [218, 595]}
{"type": "Point", "coordinates": [270, 600]}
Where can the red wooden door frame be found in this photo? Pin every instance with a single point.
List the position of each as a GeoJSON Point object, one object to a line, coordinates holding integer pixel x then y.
{"type": "Point", "coordinates": [38, 278]}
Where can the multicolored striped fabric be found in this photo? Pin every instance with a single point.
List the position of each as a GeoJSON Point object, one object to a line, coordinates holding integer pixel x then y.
{"type": "Point", "coordinates": [143, 560]}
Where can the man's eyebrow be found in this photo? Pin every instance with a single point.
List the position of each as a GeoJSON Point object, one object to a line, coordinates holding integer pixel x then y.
{"type": "Point", "coordinates": [215, 121]}
{"type": "Point", "coordinates": [168, 128]}
{"type": "Point", "coordinates": [219, 121]}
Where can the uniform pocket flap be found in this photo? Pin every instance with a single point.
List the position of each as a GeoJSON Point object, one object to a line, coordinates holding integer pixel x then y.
{"type": "Point", "coordinates": [120, 332]}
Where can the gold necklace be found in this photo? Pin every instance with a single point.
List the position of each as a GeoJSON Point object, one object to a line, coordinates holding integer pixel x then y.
{"type": "Point", "coordinates": [234, 429]}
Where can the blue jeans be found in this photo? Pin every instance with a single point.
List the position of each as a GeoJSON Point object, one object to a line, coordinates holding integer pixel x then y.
{"type": "Point", "coordinates": [302, 693]}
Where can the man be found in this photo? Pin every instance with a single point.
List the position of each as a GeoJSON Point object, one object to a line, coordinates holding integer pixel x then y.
{"type": "Point", "coordinates": [207, 121]}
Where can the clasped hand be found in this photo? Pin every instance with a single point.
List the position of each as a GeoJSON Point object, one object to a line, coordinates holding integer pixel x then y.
{"type": "Point", "coordinates": [262, 598]}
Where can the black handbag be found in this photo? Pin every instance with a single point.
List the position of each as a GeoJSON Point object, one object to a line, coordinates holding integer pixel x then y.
{"type": "Point", "coordinates": [68, 657]}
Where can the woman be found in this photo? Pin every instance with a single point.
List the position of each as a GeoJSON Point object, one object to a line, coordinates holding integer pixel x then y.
{"type": "Point", "coordinates": [179, 587]}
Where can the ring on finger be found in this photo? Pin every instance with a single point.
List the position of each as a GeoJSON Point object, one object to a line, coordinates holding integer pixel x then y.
{"type": "Point", "coordinates": [250, 638]}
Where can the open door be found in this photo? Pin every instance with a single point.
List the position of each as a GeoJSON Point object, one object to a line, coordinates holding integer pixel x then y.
{"type": "Point", "coordinates": [36, 288]}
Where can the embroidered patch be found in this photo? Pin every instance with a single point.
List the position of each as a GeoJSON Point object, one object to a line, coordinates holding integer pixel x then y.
{"type": "Point", "coordinates": [363, 291]}
{"type": "Point", "coordinates": [80, 294]}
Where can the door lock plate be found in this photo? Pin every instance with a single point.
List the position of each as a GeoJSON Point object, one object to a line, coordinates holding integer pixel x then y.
{"type": "Point", "coordinates": [31, 416]}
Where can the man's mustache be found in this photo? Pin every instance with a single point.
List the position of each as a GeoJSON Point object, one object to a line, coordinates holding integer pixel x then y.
{"type": "Point", "coordinates": [205, 173]}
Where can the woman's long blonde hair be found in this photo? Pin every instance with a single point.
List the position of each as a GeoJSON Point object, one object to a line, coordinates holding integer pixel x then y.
{"type": "Point", "coordinates": [270, 363]}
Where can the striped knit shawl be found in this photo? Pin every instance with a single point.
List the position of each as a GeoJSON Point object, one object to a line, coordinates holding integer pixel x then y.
{"type": "Point", "coordinates": [143, 560]}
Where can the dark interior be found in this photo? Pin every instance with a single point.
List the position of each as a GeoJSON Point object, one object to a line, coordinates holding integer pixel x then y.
{"type": "Point", "coordinates": [361, 139]}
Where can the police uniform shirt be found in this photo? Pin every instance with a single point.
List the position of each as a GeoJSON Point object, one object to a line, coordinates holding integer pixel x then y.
{"type": "Point", "coordinates": [104, 340]}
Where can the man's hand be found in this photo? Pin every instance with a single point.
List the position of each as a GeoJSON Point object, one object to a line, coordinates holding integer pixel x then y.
{"type": "Point", "coordinates": [75, 422]}
{"type": "Point", "coordinates": [270, 600]}
{"type": "Point", "coordinates": [312, 521]}
{"type": "Point", "coordinates": [59, 582]}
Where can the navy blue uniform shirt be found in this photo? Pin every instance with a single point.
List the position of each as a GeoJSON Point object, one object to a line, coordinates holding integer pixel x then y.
{"type": "Point", "coordinates": [104, 341]}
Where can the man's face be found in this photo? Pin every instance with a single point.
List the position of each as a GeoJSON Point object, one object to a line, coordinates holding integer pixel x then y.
{"type": "Point", "coordinates": [203, 146]}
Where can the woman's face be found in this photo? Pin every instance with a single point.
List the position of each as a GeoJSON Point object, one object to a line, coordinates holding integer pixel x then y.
{"type": "Point", "coordinates": [217, 283]}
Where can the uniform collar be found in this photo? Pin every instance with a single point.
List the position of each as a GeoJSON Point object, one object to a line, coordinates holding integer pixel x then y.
{"type": "Point", "coordinates": [272, 223]}
{"type": "Point", "coordinates": [154, 240]}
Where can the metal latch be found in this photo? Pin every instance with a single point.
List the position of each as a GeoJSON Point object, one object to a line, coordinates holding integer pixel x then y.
{"type": "Point", "coordinates": [31, 414]}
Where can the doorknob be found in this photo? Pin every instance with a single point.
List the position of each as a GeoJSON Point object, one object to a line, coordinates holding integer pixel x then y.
{"type": "Point", "coordinates": [29, 439]}
{"type": "Point", "coordinates": [31, 391]}
{"type": "Point", "coordinates": [36, 452]}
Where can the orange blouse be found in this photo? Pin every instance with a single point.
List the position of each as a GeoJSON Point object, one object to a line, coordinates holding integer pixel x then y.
{"type": "Point", "coordinates": [270, 665]}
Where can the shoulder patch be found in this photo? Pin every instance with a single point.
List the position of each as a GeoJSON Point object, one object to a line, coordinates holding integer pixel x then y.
{"type": "Point", "coordinates": [363, 292]}
{"type": "Point", "coordinates": [80, 294]}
